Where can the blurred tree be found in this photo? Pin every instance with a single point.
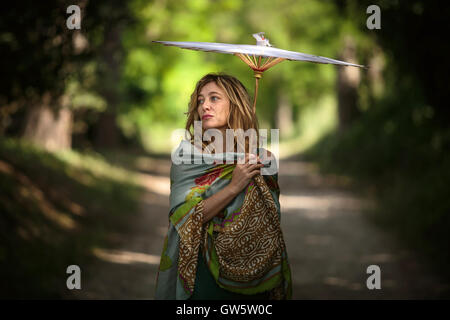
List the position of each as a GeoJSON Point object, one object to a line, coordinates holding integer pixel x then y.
{"type": "Point", "coordinates": [37, 54]}
{"type": "Point", "coordinates": [114, 17]}
{"type": "Point", "coordinates": [411, 36]}
{"type": "Point", "coordinates": [41, 56]}
{"type": "Point", "coordinates": [348, 81]}
{"type": "Point", "coordinates": [284, 116]}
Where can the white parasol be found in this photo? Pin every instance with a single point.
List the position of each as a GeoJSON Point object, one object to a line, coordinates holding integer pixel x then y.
{"type": "Point", "coordinates": [259, 57]}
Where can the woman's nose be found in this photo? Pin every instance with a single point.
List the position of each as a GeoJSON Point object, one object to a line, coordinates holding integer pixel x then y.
{"type": "Point", "coordinates": [206, 106]}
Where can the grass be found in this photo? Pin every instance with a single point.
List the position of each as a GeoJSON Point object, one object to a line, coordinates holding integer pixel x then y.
{"type": "Point", "coordinates": [55, 207]}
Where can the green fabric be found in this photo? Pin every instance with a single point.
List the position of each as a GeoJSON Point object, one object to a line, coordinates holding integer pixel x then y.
{"type": "Point", "coordinates": [166, 262]}
{"type": "Point", "coordinates": [206, 287]}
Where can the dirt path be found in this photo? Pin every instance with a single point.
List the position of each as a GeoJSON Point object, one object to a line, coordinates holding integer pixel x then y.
{"type": "Point", "coordinates": [128, 271]}
{"type": "Point", "coordinates": [330, 244]}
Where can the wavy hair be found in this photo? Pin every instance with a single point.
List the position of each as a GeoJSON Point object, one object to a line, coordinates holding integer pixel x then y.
{"type": "Point", "coordinates": [241, 115]}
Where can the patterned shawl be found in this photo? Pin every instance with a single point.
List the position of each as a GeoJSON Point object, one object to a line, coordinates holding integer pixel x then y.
{"type": "Point", "coordinates": [243, 245]}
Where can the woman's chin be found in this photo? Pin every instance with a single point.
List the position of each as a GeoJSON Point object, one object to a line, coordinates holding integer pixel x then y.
{"type": "Point", "coordinates": [209, 126]}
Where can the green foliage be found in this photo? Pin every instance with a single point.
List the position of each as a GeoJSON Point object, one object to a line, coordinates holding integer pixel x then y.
{"type": "Point", "coordinates": [158, 80]}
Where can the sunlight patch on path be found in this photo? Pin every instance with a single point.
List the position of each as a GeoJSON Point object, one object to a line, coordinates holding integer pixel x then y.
{"type": "Point", "coordinates": [157, 184]}
{"type": "Point", "coordinates": [319, 206]}
{"type": "Point", "coordinates": [125, 257]}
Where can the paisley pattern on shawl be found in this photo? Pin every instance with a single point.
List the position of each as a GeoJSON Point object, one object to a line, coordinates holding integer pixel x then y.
{"type": "Point", "coordinates": [243, 245]}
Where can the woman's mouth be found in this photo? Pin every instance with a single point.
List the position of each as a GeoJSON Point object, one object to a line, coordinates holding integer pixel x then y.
{"type": "Point", "coordinates": [206, 116]}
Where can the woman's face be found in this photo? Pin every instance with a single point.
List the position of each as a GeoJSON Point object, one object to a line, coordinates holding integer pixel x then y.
{"type": "Point", "coordinates": [213, 107]}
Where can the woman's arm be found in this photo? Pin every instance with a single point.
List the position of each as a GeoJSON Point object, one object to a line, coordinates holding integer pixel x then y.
{"type": "Point", "coordinates": [217, 202]}
{"type": "Point", "coordinates": [240, 179]}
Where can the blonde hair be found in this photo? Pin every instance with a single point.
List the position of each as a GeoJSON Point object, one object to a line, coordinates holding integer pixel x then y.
{"type": "Point", "coordinates": [241, 115]}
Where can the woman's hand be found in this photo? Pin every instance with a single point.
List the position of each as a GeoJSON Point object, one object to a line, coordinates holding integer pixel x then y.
{"type": "Point", "coordinates": [239, 180]}
{"type": "Point", "coordinates": [243, 173]}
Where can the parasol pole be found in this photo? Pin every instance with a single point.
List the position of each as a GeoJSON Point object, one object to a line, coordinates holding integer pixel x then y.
{"type": "Point", "coordinates": [258, 75]}
{"type": "Point", "coordinates": [258, 65]}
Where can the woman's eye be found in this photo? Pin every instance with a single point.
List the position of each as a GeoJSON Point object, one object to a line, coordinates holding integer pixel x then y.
{"type": "Point", "coordinates": [214, 98]}
{"type": "Point", "coordinates": [200, 101]}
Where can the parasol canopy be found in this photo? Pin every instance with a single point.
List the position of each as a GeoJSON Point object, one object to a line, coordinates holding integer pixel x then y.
{"type": "Point", "coordinates": [259, 57]}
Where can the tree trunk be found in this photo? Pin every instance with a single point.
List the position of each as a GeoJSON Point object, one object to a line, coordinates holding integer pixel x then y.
{"type": "Point", "coordinates": [347, 85]}
{"type": "Point", "coordinates": [284, 116]}
{"type": "Point", "coordinates": [375, 73]}
{"type": "Point", "coordinates": [107, 131]}
{"type": "Point", "coordinates": [48, 128]}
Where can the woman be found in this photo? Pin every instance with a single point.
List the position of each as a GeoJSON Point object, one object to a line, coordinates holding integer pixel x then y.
{"type": "Point", "coordinates": [224, 239]}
